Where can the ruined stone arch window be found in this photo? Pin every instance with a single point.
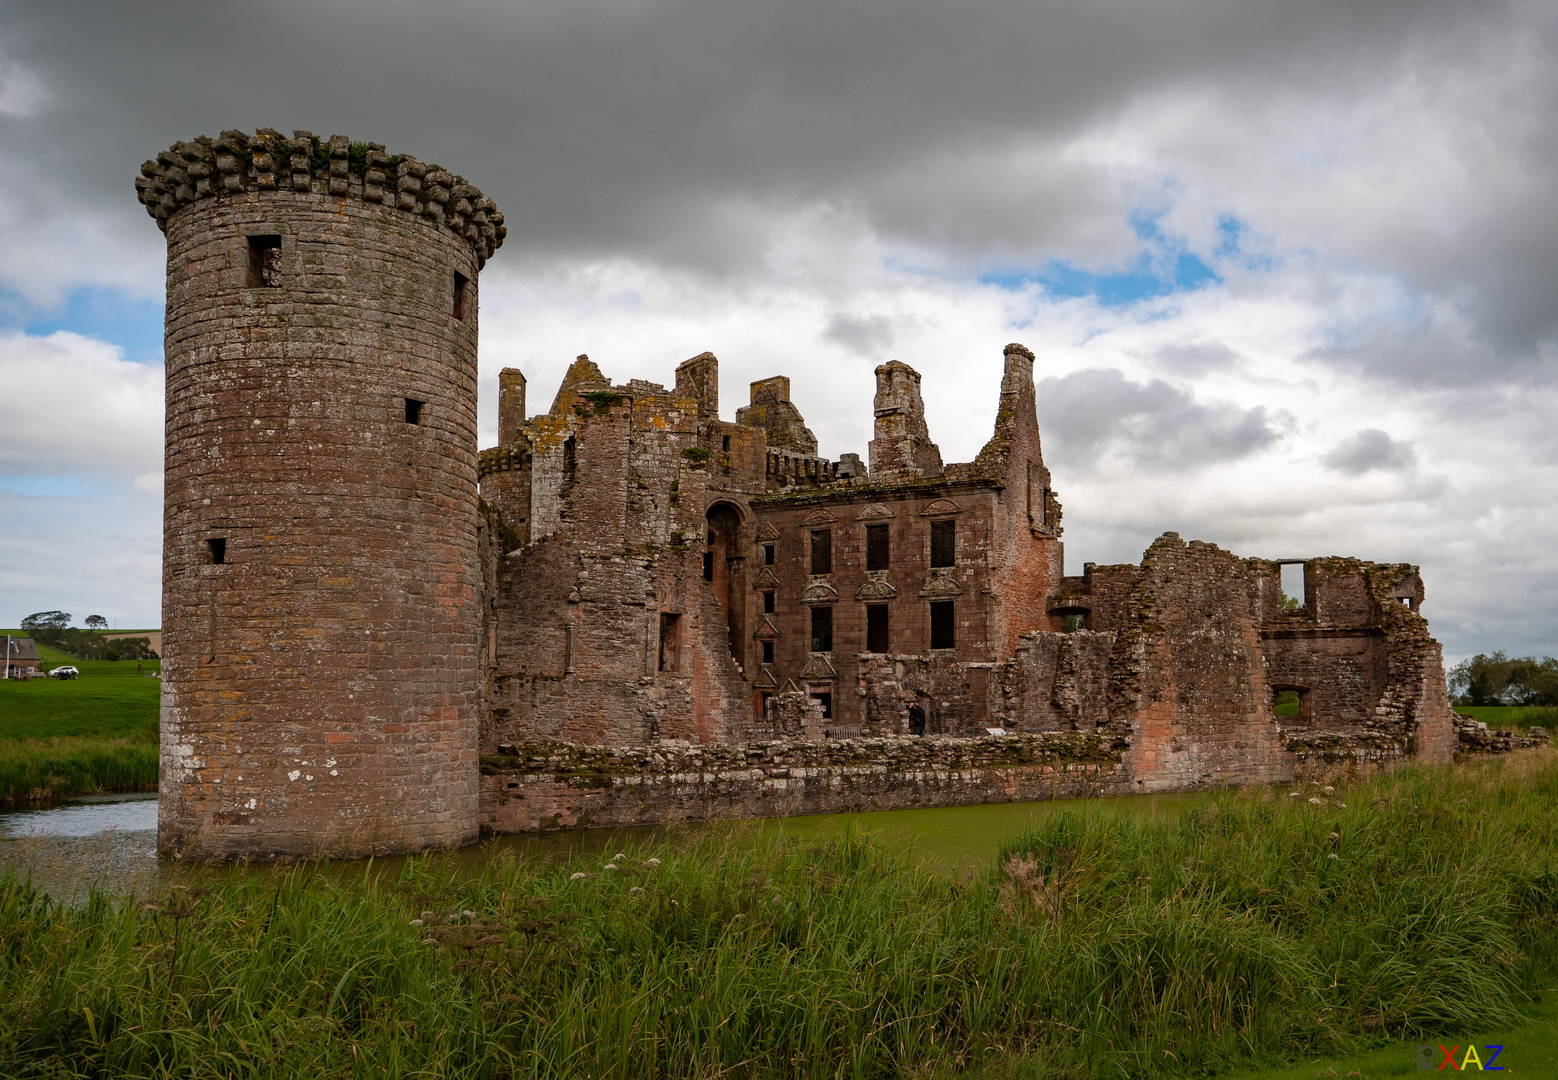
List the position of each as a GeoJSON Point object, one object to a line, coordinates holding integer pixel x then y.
{"type": "Point", "coordinates": [943, 624]}
{"type": "Point", "coordinates": [878, 547]}
{"type": "Point", "coordinates": [1074, 621]}
{"type": "Point", "coordinates": [944, 542]}
{"type": "Point", "coordinates": [822, 551]}
{"type": "Point", "coordinates": [264, 261]}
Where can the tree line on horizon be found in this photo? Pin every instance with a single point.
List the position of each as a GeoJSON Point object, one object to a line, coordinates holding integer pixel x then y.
{"type": "Point", "coordinates": [1498, 679]}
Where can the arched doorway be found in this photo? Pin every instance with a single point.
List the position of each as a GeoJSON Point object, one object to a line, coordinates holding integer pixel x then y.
{"type": "Point", "coordinates": [724, 568]}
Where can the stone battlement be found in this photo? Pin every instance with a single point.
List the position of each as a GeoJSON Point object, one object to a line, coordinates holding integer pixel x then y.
{"type": "Point", "coordinates": [235, 162]}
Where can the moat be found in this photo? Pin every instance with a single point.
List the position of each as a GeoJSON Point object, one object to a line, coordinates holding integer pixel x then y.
{"type": "Point", "coordinates": [110, 840]}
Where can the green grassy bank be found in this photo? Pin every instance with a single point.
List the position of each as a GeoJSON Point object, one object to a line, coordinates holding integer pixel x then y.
{"type": "Point", "coordinates": [1257, 931]}
{"type": "Point", "coordinates": [94, 733]}
{"type": "Point", "coordinates": [1512, 717]}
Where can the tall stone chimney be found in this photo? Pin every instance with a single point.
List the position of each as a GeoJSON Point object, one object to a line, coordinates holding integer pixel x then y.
{"type": "Point", "coordinates": [902, 443]}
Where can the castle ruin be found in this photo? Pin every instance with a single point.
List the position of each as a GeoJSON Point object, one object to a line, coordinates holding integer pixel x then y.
{"type": "Point", "coordinates": [631, 610]}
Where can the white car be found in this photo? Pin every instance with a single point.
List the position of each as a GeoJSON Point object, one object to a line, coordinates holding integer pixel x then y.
{"type": "Point", "coordinates": [65, 671]}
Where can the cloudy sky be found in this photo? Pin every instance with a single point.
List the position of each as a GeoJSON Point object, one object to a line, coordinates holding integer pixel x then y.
{"type": "Point", "coordinates": [1290, 269]}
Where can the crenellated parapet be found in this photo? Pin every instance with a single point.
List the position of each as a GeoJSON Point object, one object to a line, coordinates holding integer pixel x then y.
{"type": "Point", "coordinates": [236, 162]}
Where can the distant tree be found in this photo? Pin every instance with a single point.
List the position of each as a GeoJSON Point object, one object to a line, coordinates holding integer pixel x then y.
{"type": "Point", "coordinates": [96, 622]}
{"type": "Point", "coordinates": [1495, 679]}
{"type": "Point", "coordinates": [47, 620]}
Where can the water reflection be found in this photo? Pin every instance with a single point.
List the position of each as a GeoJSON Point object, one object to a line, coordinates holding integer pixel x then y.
{"type": "Point", "coordinates": [110, 841]}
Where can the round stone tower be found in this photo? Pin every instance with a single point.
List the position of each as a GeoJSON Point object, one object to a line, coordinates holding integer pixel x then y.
{"type": "Point", "coordinates": [320, 615]}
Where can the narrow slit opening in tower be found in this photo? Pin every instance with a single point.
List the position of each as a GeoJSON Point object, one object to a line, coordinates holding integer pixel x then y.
{"type": "Point", "coordinates": [569, 460]}
{"type": "Point", "coordinates": [725, 443]}
{"type": "Point", "coordinates": [460, 283]}
{"type": "Point", "coordinates": [414, 410]}
{"type": "Point", "coordinates": [264, 262]}
{"type": "Point", "coordinates": [216, 547]}
{"type": "Point", "coordinates": [670, 640]}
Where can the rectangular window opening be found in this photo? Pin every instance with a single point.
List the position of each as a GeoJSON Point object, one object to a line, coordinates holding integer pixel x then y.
{"type": "Point", "coordinates": [827, 704]}
{"type": "Point", "coordinates": [460, 282]}
{"type": "Point", "coordinates": [414, 410]}
{"type": "Point", "coordinates": [217, 546]}
{"type": "Point", "coordinates": [876, 628]}
{"type": "Point", "coordinates": [1293, 591]}
{"type": "Point", "coordinates": [822, 629]}
{"type": "Point", "coordinates": [264, 262]}
{"type": "Point", "coordinates": [822, 551]}
{"type": "Point", "coordinates": [943, 625]}
{"type": "Point", "coordinates": [768, 652]}
{"type": "Point", "coordinates": [725, 444]}
{"type": "Point", "coordinates": [878, 547]}
{"type": "Point", "coordinates": [708, 566]}
{"type": "Point", "coordinates": [670, 639]}
{"type": "Point", "coordinates": [768, 602]}
{"type": "Point", "coordinates": [768, 554]}
{"type": "Point", "coordinates": [569, 460]}
{"type": "Point", "coordinates": [762, 702]}
{"type": "Point", "coordinates": [944, 542]}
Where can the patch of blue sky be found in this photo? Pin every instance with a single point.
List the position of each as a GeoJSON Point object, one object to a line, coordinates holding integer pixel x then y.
{"type": "Point", "coordinates": [1163, 266]}
{"type": "Point", "coordinates": [104, 314]}
{"type": "Point", "coordinates": [70, 487]}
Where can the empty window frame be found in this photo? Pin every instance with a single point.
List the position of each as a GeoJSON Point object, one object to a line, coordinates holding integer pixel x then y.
{"type": "Point", "coordinates": [216, 548]}
{"type": "Point", "coordinates": [822, 551]}
{"type": "Point", "coordinates": [877, 637]}
{"type": "Point", "coordinates": [768, 601]}
{"type": "Point", "coordinates": [724, 443]}
{"type": "Point", "coordinates": [943, 625]}
{"type": "Point", "coordinates": [878, 547]}
{"type": "Point", "coordinates": [264, 262]}
{"type": "Point", "coordinates": [1295, 593]}
{"type": "Point", "coordinates": [827, 703]}
{"type": "Point", "coordinates": [670, 640]}
{"type": "Point", "coordinates": [768, 554]}
{"type": "Point", "coordinates": [822, 629]}
{"type": "Point", "coordinates": [768, 652]}
{"type": "Point", "coordinates": [414, 410]}
{"type": "Point", "coordinates": [708, 566]}
{"type": "Point", "coordinates": [461, 284]}
{"type": "Point", "coordinates": [944, 542]}
{"type": "Point", "coordinates": [570, 459]}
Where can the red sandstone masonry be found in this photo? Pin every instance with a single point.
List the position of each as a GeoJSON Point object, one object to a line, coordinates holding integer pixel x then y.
{"type": "Point", "coordinates": [321, 684]}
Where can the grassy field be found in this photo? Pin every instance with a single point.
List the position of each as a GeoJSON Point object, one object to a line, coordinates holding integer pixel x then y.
{"type": "Point", "coordinates": [94, 733]}
{"type": "Point", "coordinates": [1512, 717]}
{"type": "Point", "coordinates": [1260, 931]}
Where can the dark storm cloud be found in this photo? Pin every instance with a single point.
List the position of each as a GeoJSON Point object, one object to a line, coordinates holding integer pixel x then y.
{"type": "Point", "coordinates": [1368, 450]}
{"type": "Point", "coordinates": [1090, 414]}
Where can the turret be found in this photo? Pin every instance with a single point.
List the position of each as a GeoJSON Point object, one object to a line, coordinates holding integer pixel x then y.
{"type": "Point", "coordinates": [320, 616]}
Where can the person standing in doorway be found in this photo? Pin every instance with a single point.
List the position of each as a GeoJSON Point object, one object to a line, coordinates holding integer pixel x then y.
{"type": "Point", "coordinates": [916, 719]}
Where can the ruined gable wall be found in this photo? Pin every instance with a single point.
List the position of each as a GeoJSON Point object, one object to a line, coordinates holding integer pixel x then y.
{"type": "Point", "coordinates": [1187, 674]}
{"type": "Point", "coordinates": [1055, 682]}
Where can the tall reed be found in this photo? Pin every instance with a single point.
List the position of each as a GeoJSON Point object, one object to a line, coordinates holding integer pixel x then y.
{"type": "Point", "coordinates": [1260, 926]}
{"type": "Point", "coordinates": [32, 769]}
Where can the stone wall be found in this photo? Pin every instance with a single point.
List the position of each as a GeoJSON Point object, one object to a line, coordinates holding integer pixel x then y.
{"type": "Point", "coordinates": [322, 672]}
{"type": "Point", "coordinates": [537, 787]}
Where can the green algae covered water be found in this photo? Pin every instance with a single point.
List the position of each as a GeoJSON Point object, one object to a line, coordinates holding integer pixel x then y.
{"type": "Point", "coordinates": [110, 842]}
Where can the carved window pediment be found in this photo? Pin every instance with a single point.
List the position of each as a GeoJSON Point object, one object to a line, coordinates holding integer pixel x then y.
{"type": "Point", "coordinates": [766, 678]}
{"type": "Point", "coordinates": [766, 630]}
{"type": "Point", "coordinates": [941, 508]}
{"type": "Point", "coordinates": [767, 532]}
{"type": "Point", "coordinates": [820, 591]}
{"type": "Point", "coordinates": [874, 512]}
{"type": "Point", "coordinates": [940, 585]}
{"type": "Point", "coordinates": [819, 665]}
{"type": "Point", "coordinates": [818, 518]}
{"type": "Point", "coordinates": [765, 578]}
{"type": "Point", "coordinates": [876, 588]}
